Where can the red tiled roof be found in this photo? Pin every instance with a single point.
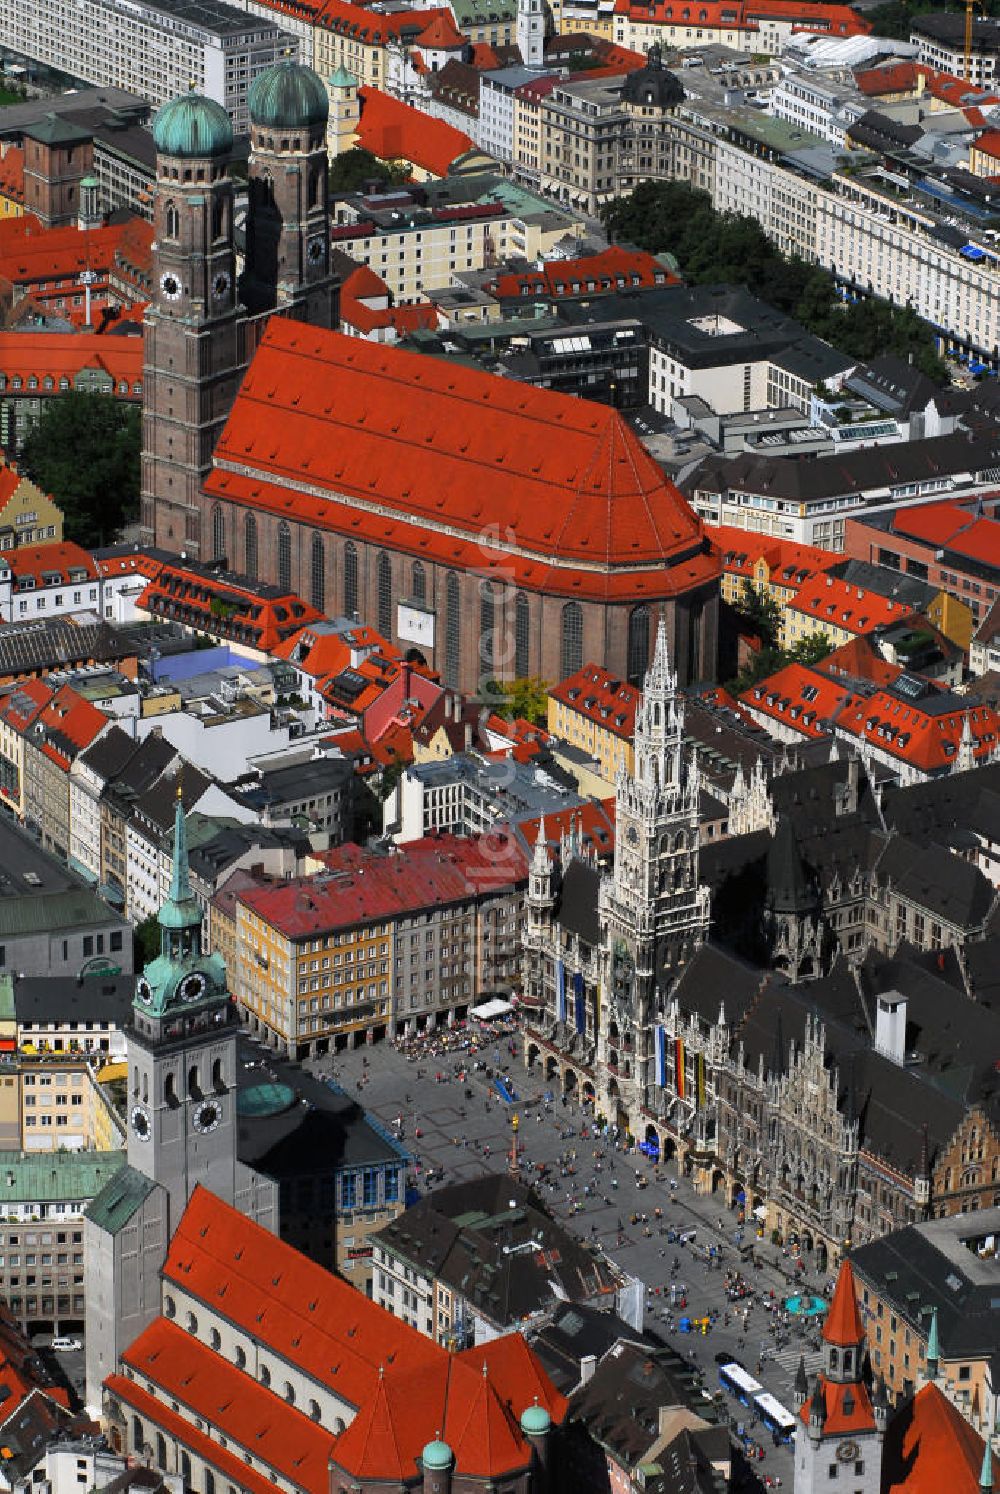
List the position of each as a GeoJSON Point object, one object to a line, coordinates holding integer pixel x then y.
{"type": "Point", "coordinates": [848, 1409]}
{"type": "Point", "coordinates": [12, 174]}
{"type": "Point", "coordinates": [843, 1325]}
{"type": "Point", "coordinates": [63, 355]}
{"type": "Point", "coordinates": [603, 698]}
{"type": "Point", "coordinates": [361, 886]}
{"type": "Point", "coordinates": [49, 565]}
{"type": "Point", "coordinates": [186, 1434]}
{"type": "Point", "coordinates": [66, 725]}
{"type": "Point", "coordinates": [593, 823]}
{"type": "Point", "coordinates": [136, 562]}
{"type": "Point", "coordinates": [441, 33]}
{"type": "Point", "coordinates": [394, 131]}
{"type": "Point", "coordinates": [222, 606]}
{"type": "Point", "coordinates": [858, 660]}
{"type": "Point", "coordinates": [899, 77]}
{"type": "Point", "coordinates": [988, 143]}
{"type": "Point", "coordinates": [406, 1388]}
{"type": "Point", "coordinates": [456, 465]}
{"type": "Point", "coordinates": [828, 599]}
{"type": "Point", "coordinates": [34, 256]}
{"type": "Point", "coordinates": [936, 523]}
{"type": "Point", "coordinates": [742, 15]}
{"type": "Point", "coordinates": [20, 703]}
{"type": "Point", "coordinates": [376, 28]}
{"type": "Point", "coordinates": [10, 481]}
{"type": "Point", "coordinates": [232, 1403]}
{"type": "Point", "coordinates": [798, 697]}
{"type": "Point", "coordinates": [789, 563]}
{"type": "Point", "coordinates": [613, 269]}
{"type": "Point", "coordinates": [926, 740]}
{"type": "Point", "coordinates": [930, 1447]}
{"type": "Point", "coordinates": [363, 285]}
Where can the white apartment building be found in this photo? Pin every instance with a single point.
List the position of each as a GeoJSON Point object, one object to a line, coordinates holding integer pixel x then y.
{"type": "Point", "coordinates": [157, 49]}
{"type": "Point", "coordinates": [882, 244]}
{"type": "Point", "coordinates": [812, 104]}
{"type": "Point", "coordinates": [496, 109]}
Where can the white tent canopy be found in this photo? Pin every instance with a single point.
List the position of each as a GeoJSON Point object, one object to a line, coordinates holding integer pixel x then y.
{"type": "Point", "coordinates": [490, 1009]}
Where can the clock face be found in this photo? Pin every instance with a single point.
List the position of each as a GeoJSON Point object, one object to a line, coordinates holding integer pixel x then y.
{"type": "Point", "coordinates": [170, 286]}
{"type": "Point", "coordinates": [144, 990]}
{"type": "Point", "coordinates": [206, 1117]}
{"type": "Point", "coordinates": [220, 286]}
{"type": "Point", "coordinates": [140, 1122]}
{"type": "Point", "coordinates": [314, 251]}
{"type": "Point", "coordinates": [848, 1452]}
{"type": "Point", "coordinates": [192, 987]}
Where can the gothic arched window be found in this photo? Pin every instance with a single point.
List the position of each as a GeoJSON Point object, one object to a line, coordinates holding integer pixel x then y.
{"type": "Point", "coordinates": [419, 585]}
{"type": "Point", "coordinates": [350, 578]}
{"type": "Point", "coordinates": [384, 595]}
{"type": "Point", "coordinates": [486, 629]}
{"type": "Point", "coordinates": [218, 216]}
{"type": "Point", "coordinates": [453, 636]}
{"type": "Point", "coordinates": [638, 645]}
{"type": "Point", "coordinates": [522, 627]}
{"type": "Point", "coordinates": [218, 532]}
{"type": "Point", "coordinates": [284, 556]}
{"type": "Point", "coordinates": [250, 546]}
{"type": "Point", "coordinates": [571, 651]}
{"type": "Point", "coordinates": [317, 578]}
{"type": "Point", "coordinates": [171, 221]}
{"type": "Point", "coordinates": [315, 186]}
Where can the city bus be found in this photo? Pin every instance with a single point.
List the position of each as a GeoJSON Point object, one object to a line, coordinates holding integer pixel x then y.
{"type": "Point", "coordinates": [739, 1382]}
{"type": "Point", "coordinates": [774, 1416]}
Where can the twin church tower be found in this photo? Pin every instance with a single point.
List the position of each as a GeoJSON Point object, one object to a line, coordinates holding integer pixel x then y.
{"type": "Point", "coordinates": [203, 324]}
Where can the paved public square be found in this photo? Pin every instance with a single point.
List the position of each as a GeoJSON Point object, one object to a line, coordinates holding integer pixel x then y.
{"type": "Point", "coordinates": [465, 1127]}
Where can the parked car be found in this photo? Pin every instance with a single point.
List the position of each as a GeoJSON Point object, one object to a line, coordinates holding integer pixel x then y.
{"type": "Point", "coordinates": [66, 1345]}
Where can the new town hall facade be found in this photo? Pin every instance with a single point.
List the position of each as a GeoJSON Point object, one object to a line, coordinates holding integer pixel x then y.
{"type": "Point", "coordinates": [714, 1001]}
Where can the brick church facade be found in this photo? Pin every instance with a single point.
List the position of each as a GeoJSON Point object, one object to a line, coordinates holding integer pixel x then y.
{"type": "Point", "coordinates": [499, 530]}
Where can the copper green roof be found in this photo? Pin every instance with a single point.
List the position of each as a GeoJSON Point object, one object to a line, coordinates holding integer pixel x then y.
{"type": "Point", "coordinates": [289, 96]}
{"type": "Point", "coordinates": [116, 1203]}
{"type": "Point", "coordinates": [55, 1177]}
{"type": "Point", "coordinates": [194, 126]}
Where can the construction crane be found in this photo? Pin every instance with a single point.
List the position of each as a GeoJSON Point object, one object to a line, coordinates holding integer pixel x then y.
{"type": "Point", "coordinates": [970, 6]}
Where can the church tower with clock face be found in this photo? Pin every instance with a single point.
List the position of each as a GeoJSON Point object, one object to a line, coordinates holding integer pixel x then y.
{"type": "Point", "coordinates": [841, 1427]}
{"type": "Point", "coordinates": [192, 342]}
{"type": "Point", "coordinates": [653, 910]}
{"type": "Point", "coordinates": [182, 1055]}
{"type": "Point", "coordinates": [181, 1114]}
{"type": "Point", "coordinates": [287, 265]}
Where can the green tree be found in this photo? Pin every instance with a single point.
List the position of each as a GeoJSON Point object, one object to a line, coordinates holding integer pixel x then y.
{"type": "Point", "coordinates": [762, 612]}
{"type": "Point", "coordinates": [810, 650]}
{"type": "Point", "coordinates": [145, 942]}
{"type": "Point", "coordinates": [713, 247]}
{"type": "Point", "coordinates": [528, 698]}
{"type": "Point", "coordinates": [353, 170]}
{"type": "Point", "coordinates": [84, 451]}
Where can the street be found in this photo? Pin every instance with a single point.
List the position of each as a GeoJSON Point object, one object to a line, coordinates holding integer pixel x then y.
{"type": "Point", "coordinates": [455, 1128]}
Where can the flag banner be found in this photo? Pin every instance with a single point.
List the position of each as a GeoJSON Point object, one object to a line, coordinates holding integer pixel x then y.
{"type": "Point", "coordinates": [680, 1086]}
{"type": "Point", "coordinates": [701, 1080]}
{"type": "Point", "coordinates": [661, 1057]}
{"type": "Point", "coordinates": [560, 991]}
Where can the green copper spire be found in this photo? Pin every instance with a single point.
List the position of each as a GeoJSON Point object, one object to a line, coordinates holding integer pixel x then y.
{"type": "Point", "coordinates": [933, 1348]}
{"type": "Point", "coordinates": [180, 882]}
{"type": "Point", "coordinates": [986, 1476]}
{"type": "Point", "coordinates": [181, 910]}
{"type": "Point", "coordinates": [182, 977]}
